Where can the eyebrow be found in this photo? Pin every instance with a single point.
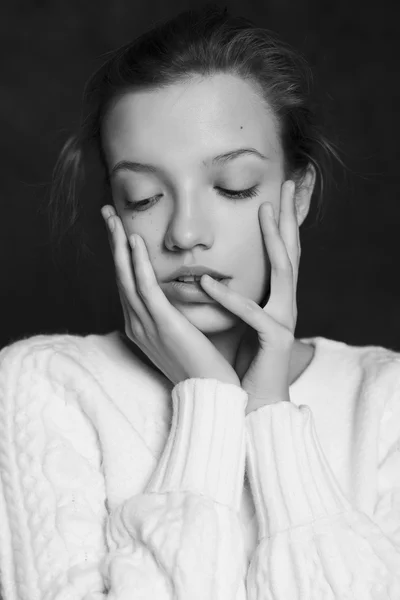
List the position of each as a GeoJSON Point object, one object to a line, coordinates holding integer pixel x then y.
{"type": "Point", "coordinates": [221, 159]}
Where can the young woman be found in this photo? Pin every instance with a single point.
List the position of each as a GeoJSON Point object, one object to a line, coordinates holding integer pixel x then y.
{"type": "Point", "coordinates": [204, 452]}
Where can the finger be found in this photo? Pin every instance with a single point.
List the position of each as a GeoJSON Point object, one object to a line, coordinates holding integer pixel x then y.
{"type": "Point", "coordinates": [263, 323]}
{"type": "Point", "coordinates": [107, 211]}
{"type": "Point", "coordinates": [135, 289]}
{"type": "Point", "coordinates": [126, 278]}
{"type": "Point", "coordinates": [136, 332]}
{"type": "Point", "coordinates": [280, 303]}
{"type": "Point", "coordinates": [288, 226]}
{"type": "Point", "coordinates": [140, 287]}
{"type": "Point", "coordinates": [133, 325]}
{"type": "Point", "coordinates": [165, 317]}
{"type": "Point", "coordinates": [147, 284]}
{"type": "Point", "coordinates": [289, 231]}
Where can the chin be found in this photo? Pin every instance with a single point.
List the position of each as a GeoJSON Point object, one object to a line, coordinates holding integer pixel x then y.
{"type": "Point", "coordinates": [208, 318]}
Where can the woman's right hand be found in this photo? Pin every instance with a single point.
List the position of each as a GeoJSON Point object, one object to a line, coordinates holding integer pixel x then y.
{"type": "Point", "coordinates": [172, 343]}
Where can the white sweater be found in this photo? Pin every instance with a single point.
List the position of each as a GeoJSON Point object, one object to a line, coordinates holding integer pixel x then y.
{"type": "Point", "coordinates": [116, 484]}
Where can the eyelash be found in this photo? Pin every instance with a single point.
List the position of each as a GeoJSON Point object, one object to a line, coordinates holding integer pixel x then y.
{"type": "Point", "coordinates": [233, 194]}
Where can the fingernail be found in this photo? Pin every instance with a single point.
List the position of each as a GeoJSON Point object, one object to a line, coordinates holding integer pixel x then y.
{"type": "Point", "coordinates": [132, 241]}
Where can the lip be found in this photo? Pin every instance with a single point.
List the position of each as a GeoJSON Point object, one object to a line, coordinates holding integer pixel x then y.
{"type": "Point", "coordinates": [191, 292]}
{"type": "Point", "coordinates": [198, 270]}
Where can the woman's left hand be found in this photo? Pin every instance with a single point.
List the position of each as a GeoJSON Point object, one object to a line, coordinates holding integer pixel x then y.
{"type": "Point", "coordinates": [267, 378]}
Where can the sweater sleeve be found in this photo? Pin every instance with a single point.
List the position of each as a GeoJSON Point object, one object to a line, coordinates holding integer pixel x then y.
{"type": "Point", "coordinates": [313, 543]}
{"type": "Point", "coordinates": [181, 538]}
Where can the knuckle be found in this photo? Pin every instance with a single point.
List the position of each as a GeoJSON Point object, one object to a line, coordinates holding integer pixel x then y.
{"type": "Point", "coordinates": [281, 337]}
{"type": "Point", "coordinates": [284, 263]}
{"type": "Point", "coordinates": [286, 338]}
{"type": "Point", "coordinates": [249, 305]}
{"type": "Point", "coordinates": [137, 329]}
{"type": "Point", "coordinates": [288, 269]}
{"type": "Point", "coordinates": [144, 289]}
{"type": "Point", "coordinates": [285, 271]}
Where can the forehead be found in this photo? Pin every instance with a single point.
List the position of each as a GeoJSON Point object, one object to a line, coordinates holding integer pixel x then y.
{"type": "Point", "coordinates": [190, 120]}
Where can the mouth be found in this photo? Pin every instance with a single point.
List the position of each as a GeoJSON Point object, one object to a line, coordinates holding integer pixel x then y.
{"type": "Point", "coordinates": [194, 280]}
{"type": "Point", "coordinates": [192, 291]}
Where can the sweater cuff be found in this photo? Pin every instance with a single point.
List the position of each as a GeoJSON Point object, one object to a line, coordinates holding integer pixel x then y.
{"type": "Point", "coordinates": [291, 481]}
{"type": "Point", "coordinates": [206, 448]}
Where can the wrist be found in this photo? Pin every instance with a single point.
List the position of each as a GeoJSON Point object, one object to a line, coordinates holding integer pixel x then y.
{"type": "Point", "coordinates": [256, 403]}
{"type": "Point", "coordinates": [205, 450]}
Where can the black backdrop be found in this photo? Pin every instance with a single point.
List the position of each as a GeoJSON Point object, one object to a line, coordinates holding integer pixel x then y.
{"type": "Point", "coordinates": [349, 278]}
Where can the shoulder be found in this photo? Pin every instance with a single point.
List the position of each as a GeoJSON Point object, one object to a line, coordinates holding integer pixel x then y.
{"type": "Point", "coordinates": [74, 361]}
{"type": "Point", "coordinates": [380, 385]}
{"type": "Point", "coordinates": [52, 489]}
{"type": "Point", "coordinates": [44, 354]}
{"type": "Point", "coordinates": [57, 363]}
{"type": "Point", "coordinates": [379, 366]}
{"type": "Point", "coordinates": [41, 379]}
{"type": "Point", "coordinates": [93, 381]}
{"type": "Point", "coordinates": [374, 370]}
{"type": "Point", "coordinates": [370, 360]}
{"type": "Point", "coordinates": [42, 421]}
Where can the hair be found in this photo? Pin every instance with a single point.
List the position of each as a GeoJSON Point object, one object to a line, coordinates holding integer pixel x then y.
{"type": "Point", "coordinates": [202, 42]}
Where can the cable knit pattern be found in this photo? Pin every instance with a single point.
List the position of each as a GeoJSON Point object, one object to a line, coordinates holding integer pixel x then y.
{"type": "Point", "coordinates": [115, 484]}
{"type": "Point", "coordinates": [39, 475]}
{"type": "Point", "coordinates": [153, 539]}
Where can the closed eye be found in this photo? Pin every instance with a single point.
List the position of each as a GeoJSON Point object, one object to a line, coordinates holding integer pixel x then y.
{"type": "Point", "coordinates": [249, 193]}
{"type": "Point", "coordinates": [235, 194]}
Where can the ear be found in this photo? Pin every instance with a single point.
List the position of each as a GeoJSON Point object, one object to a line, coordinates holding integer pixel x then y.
{"type": "Point", "coordinates": [303, 195]}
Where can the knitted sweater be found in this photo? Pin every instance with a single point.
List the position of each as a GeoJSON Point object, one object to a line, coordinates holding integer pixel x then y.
{"type": "Point", "coordinates": [116, 484]}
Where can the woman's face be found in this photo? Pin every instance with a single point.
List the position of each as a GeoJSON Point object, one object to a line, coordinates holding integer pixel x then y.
{"type": "Point", "coordinates": [186, 219]}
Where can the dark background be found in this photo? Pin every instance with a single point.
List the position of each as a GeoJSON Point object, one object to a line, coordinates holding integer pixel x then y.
{"type": "Point", "coordinates": [349, 286]}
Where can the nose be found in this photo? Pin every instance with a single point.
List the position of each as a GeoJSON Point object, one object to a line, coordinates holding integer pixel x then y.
{"type": "Point", "coordinates": [189, 226]}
